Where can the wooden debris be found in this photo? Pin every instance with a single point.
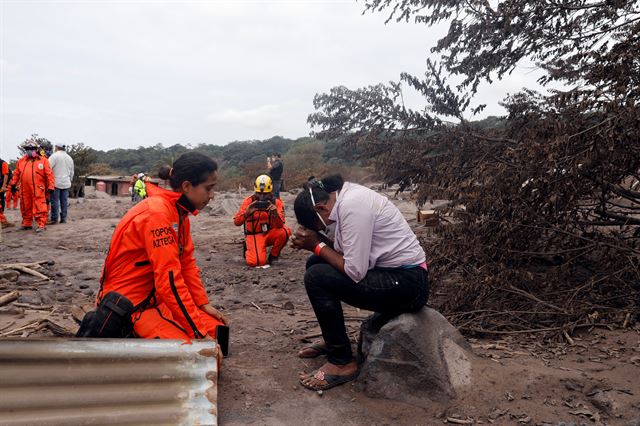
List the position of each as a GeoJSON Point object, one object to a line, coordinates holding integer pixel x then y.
{"type": "Point", "coordinates": [38, 325]}
{"type": "Point", "coordinates": [627, 318]}
{"type": "Point", "coordinates": [58, 329]}
{"type": "Point", "coordinates": [9, 275]}
{"type": "Point", "coordinates": [266, 330]}
{"type": "Point", "coordinates": [429, 217]}
{"type": "Point", "coordinates": [34, 307]}
{"type": "Point", "coordinates": [9, 324]}
{"type": "Point", "coordinates": [78, 313]}
{"type": "Point", "coordinates": [19, 329]}
{"type": "Point", "coordinates": [457, 421]}
{"type": "Point", "coordinates": [27, 268]}
{"type": "Point", "coordinates": [255, 305]}
{"type": "Point", "coordinates": [30, 271]}
{"type": "Point", "coordinates": [10, 297]}
{"type": "Point", "coordinates": [569, 339]}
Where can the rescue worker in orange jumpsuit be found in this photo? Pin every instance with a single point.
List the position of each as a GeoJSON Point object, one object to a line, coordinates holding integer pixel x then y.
{"type": "Point", "coordinates": [262, 216]}
{"type": "Point", "coordinates": [151, 261]}
{"type": "Point", "coordinates": [36, 181]}
{"type": "Point", "coordinates": [10, 198]}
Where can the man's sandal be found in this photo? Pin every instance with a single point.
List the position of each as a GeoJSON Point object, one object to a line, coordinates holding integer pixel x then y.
{"type": "Point", "coordinates": [313, 350]}
{"type": "Point", "coordinates": [331, 379]}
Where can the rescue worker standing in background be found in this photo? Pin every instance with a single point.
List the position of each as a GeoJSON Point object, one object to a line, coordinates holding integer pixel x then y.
{"type": "Point", "coordinates": [262, 216]}
{"type": "Point", "coordinates": [140, 188]}
{"type": "Point", "coordinates": [62, 166]}
{"type": "Point", "coordinates": [36, 181]}
{"type": "Point", "coordinates": [11, 199]}
{"type": "Point", "coordinates": [134, 178]}
{"type": "Point", "coordinates": [151, 261]}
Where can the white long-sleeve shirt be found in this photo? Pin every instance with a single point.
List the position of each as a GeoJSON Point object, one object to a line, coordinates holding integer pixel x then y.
{"type": "Point", "coordinates": [62, 165]}
{"type": "Point", "coordinates": [371, 232]}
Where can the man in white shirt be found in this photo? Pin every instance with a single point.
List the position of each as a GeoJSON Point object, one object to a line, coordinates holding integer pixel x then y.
{"type": "Point", "coordinates": [62, 166]}
{"type": "Point", "coordinates": [374, 262]}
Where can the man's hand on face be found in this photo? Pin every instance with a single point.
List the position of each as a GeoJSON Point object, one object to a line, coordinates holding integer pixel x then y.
{"type": "Point", "coordinates": [304, 238]}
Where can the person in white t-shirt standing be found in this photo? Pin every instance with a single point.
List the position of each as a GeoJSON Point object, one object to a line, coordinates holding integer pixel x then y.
{"type": "Point", "coordinates": [62, 166]}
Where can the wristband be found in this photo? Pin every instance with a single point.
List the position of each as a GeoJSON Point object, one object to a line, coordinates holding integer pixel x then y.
{"type": "Point", "coordinates": [319, 248]}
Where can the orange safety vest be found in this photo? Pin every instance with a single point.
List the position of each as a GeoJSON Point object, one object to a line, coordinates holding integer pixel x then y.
{"type": "Point", "coordinates": [151, 254]}
{"type": "Point", "coordinates": [260, 221]}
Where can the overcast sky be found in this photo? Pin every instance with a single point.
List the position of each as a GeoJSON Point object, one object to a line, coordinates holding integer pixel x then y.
{"type": "Point", "coordinates": [129, 73]}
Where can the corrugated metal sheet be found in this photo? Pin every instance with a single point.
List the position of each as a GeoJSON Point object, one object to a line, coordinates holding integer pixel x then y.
{"type": "Point", "coordinates": [108, 381]}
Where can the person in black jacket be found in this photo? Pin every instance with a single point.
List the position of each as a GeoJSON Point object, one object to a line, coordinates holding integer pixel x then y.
{"type": "Point", "coordinates": [275, 165]}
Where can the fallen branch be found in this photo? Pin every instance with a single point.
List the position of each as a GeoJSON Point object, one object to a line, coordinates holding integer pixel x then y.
{"type": "Point", "coordinates": [34, 324]}
{"type": "Point", "coordinates": [569, 339]}
{"type": "Point", "coordinates": [58, 329]}
{"type": "Point", "coordinates": [10, 297]}
{"type": "Point", "coordinates": [30, 271]}
{"type": "Point", "coordinates": [4, 327]}
{"type": "Point", "coordinates": [459, 421]}
{"type": "Point", "coordinates": [27, 268]}
{"type": "Point", "coordinates": [34, 307]}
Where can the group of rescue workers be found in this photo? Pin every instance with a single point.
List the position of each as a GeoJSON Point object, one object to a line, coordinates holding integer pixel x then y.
{"type": "Point", "coordinates": [138, 187]}
{"type": "Point", "coordinates": [363, 254]}
{"type": "Point", "coordinates": [40, 182]}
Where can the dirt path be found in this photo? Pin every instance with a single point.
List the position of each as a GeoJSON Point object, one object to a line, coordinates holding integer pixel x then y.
{"type": "Point", "coordinates": [517, 381]}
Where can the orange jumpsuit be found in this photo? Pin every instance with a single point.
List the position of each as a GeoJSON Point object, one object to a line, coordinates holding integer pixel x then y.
{"type": "Point", "coordinates": [151, 263]}
{"type": "Point", "coordinates": [11, 197]}
{"type": "Point", "coordinates": [35, 178]}
{"type": "Point", "coordinates": [262, 230]}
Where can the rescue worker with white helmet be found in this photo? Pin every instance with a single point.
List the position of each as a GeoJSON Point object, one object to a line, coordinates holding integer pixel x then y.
{"type": "Point", "coordinates": [140, 187]}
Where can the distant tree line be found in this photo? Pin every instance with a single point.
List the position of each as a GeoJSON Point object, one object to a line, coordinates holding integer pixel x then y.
{"type": "Point", "coordinates": [239, 161]}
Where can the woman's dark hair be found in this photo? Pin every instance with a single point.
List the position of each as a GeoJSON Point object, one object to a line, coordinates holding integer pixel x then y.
{"type": "Point", "coordinates": [190, 166]}
{"type": "Point", "coordinates": [303, 206]}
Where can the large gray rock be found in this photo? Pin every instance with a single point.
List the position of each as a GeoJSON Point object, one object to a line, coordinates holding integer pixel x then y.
{"type": "Point", "coordinates": [415, 358]}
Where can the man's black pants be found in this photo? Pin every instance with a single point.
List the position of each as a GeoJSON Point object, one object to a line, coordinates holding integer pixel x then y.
{"type": "Point", "coordinates": [390, 292]}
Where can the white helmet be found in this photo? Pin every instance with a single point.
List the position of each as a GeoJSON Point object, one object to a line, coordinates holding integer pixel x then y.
{"type": "Point", "coordinates": [140, 175]}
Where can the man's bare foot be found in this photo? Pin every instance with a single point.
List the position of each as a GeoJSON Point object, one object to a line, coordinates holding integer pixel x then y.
{"type": "Point", "coordinates": [329, 375]}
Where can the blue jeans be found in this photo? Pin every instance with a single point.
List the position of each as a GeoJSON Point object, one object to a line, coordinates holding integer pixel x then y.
{"type": "Point", "coordinates": [59, 200]}
{"type": "Point", "coordinates": [277, 184]}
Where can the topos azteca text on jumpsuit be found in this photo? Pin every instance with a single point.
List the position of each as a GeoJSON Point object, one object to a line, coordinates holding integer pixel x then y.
{"type": "Point", "coordinates": [160, 276]}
